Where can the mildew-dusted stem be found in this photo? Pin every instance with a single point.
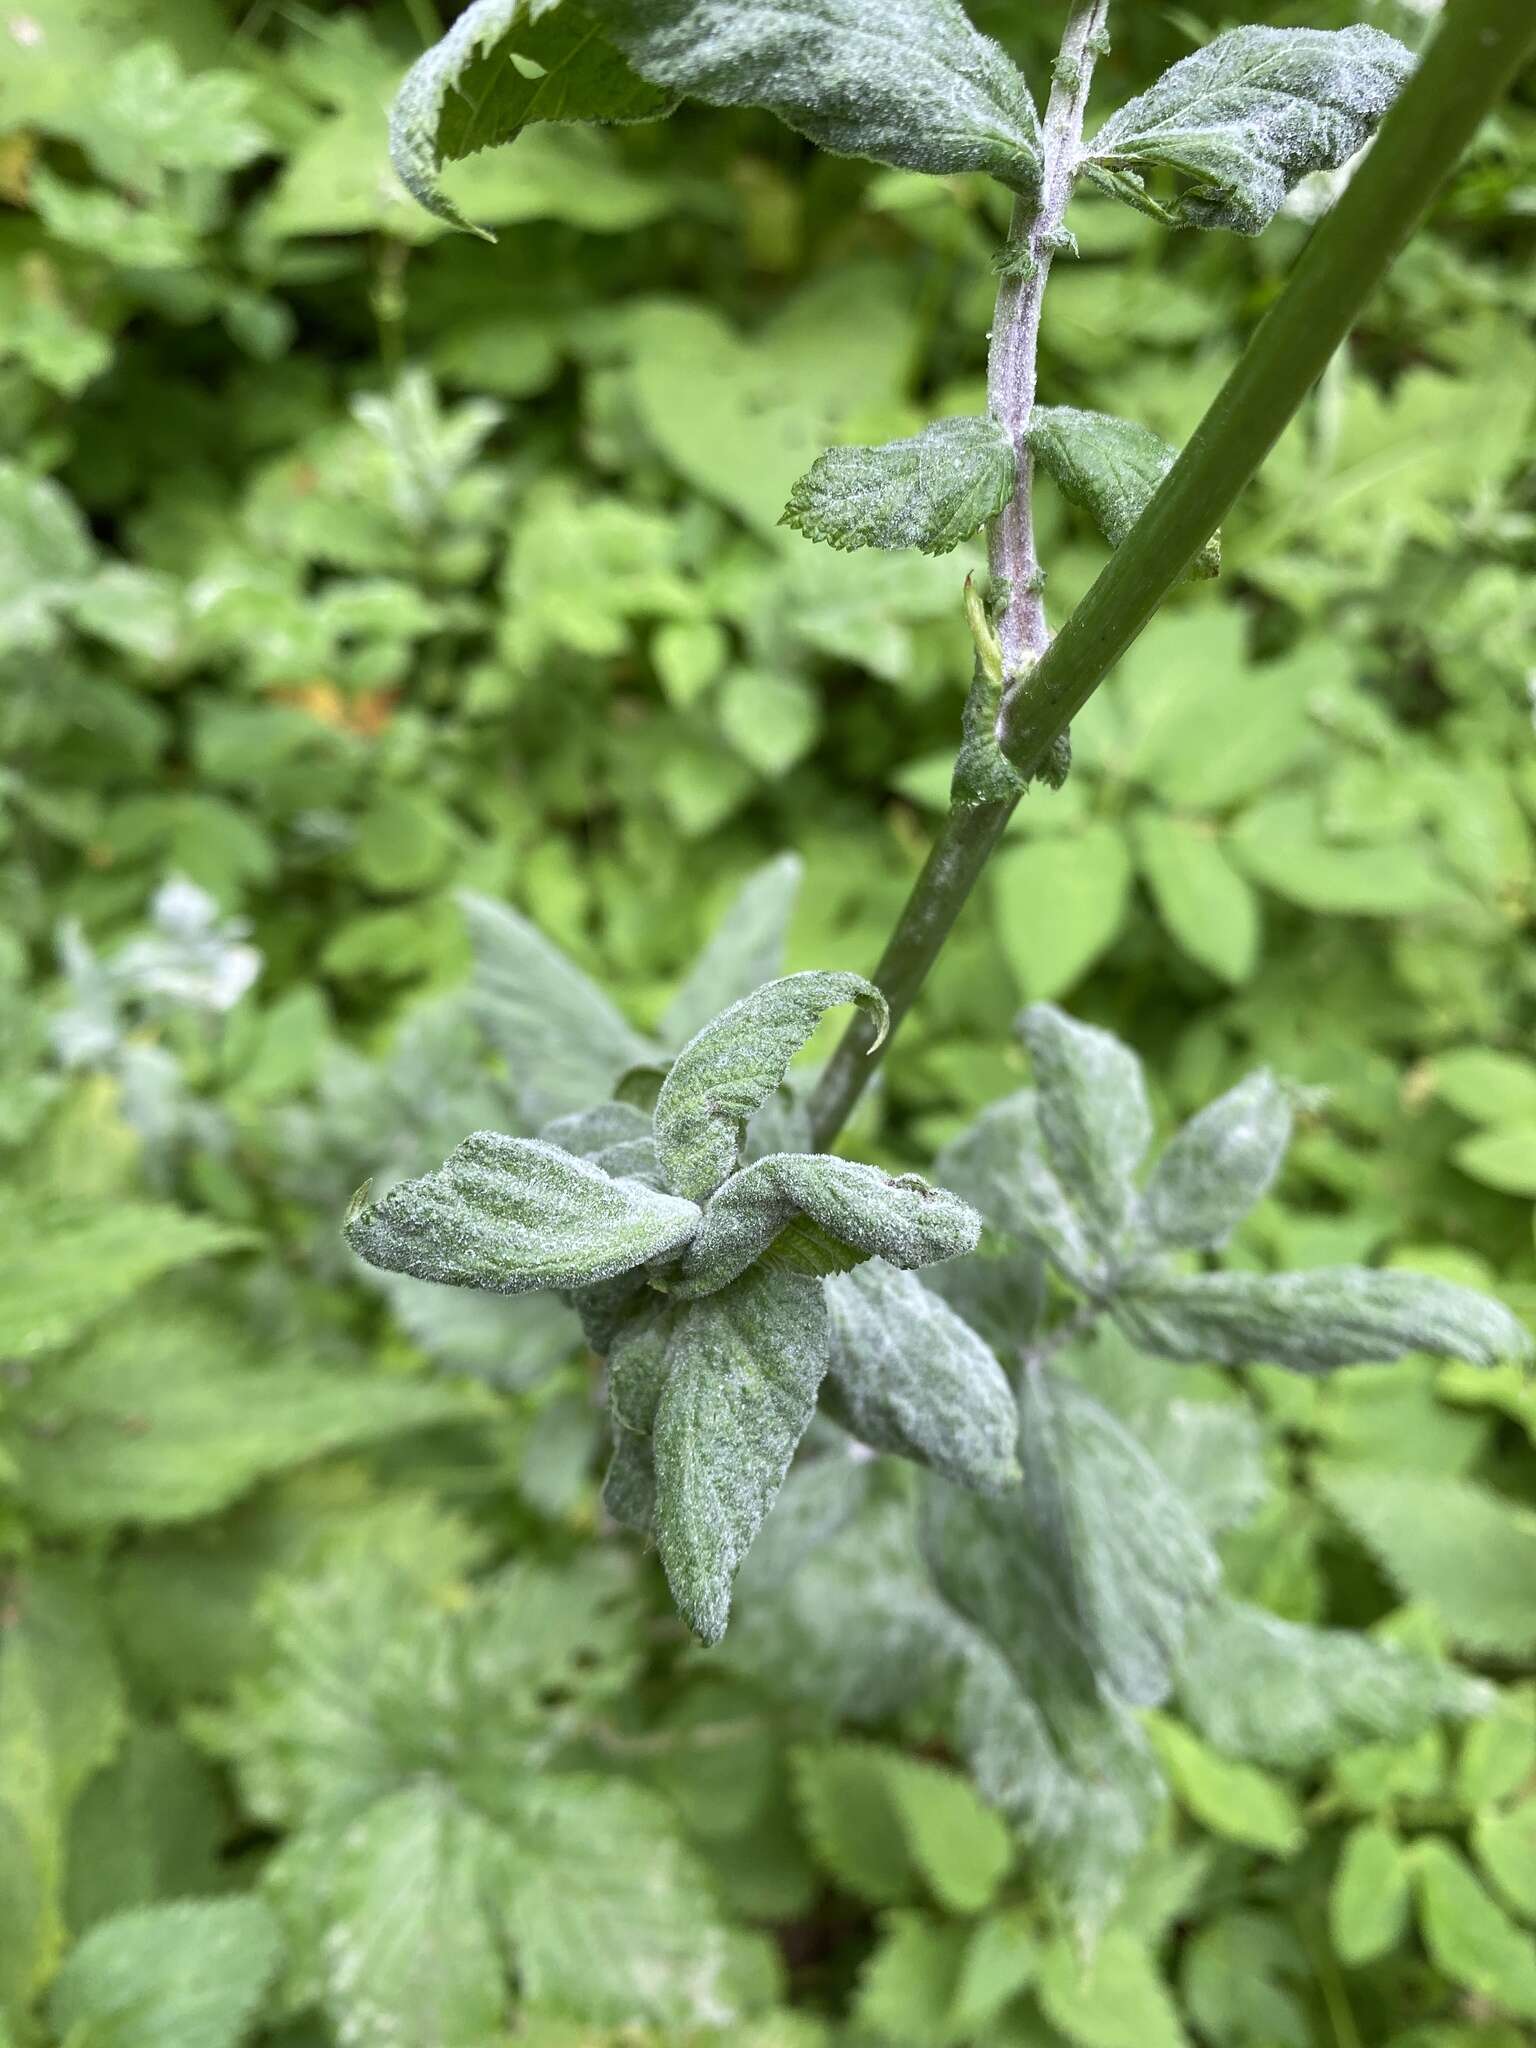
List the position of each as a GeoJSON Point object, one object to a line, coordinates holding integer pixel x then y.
{"type": "Point", "coordinates": [1013, 358]}
{"type": "Point", "coordinates": [970, 832]}
{"type": "Point", "coordinates": [1478, 50]}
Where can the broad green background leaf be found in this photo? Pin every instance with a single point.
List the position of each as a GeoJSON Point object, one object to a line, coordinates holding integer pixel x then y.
{"type": "Point", "coordinates": [66, 1264]}
{"type": "Point", "coordinates": [1060, 905]}
{"type": "Point", "coordinates": [190, 1975]}
{"type": "Point", "coordinates": [1209, 909]}
{"type": "Point", "coordinates": [1457, 1547]}
{"type": "Point", "coordinates": [1369, 1902]}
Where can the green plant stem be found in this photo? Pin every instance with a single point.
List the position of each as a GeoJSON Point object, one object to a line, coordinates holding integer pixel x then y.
{"type": "Point", "coordinates": [969, 834]}
{"type": "Point", "coordinates": [1471, 62]}
{"type": "Point", "coordinates": [1479, 48]}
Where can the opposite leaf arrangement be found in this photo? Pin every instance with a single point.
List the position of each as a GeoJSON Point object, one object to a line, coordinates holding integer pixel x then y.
{"type": "Point", "coordinates": [702, 1263]}
{"type": "Point", "coordinates": [731, 1274]}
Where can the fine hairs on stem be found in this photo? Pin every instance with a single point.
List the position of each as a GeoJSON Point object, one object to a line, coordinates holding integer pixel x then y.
{"type": "Point", "coordinates": [1477, 51]}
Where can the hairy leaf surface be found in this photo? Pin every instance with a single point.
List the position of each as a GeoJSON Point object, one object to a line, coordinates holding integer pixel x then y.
{"type": "Point", "coordinates": [1094, 1115]}
{"type": "Point", "coordinates": [1283, 1694]}
{"type": "Point", "coordinates": [930, 492]}
{"type": "Point", "coordinates": [470, 90]}
{"type": "Point", "coordinates": [1109, 468]}
{"type": "Point", "coordinates": [728, 1070]}
{"type": "Point", "coordinates": [1220, 1165]}
{"type": "Point", "coordinates": [563, 1039]}
{"type": "Point", "coordinates": [907, 1375]}
{"type": "Point", "coordinates": [1249, 116]}
{"type": "Point", "coordinates": [814, 1213]}
{"type": "Point", "coordinates": [509, 1214]}
{"type": "Point", "coordinates": [743, 1368]}
{"type": "Point", "coordinates": [909, 83]}
{"type": "Point", "coordinates": [1314, 1321]}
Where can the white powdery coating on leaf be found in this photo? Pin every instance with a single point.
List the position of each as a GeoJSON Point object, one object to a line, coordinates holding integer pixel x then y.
{"type": "Point", "coordinates": [509, 1214]}
{"type": "Point", "coordinates": [1335, 1315]}
{"type": "Point", "coordinates": [909, 1376]}
{"type": "Point", "coordinates": [727, 1071]}
{"type": "Point", "coordinates": [1253, 113]}
{"type": "Point", "coordinates": [1286, 1695]}
{"type": "Point", "coordinates": [930, 492]}
{"type": "Point", "coordinates": [1220, 1165]}
{"type": "Point", "coordinates": [1091, 1098]}
{"type": "Point", "coordinates": [906, 82]}
{"type": "Point", "coordinates": [743, 1370]}
{"type": "Point", "coordinates": [1109, 467]}
{"type": "Point", "coordinates": [903, 1220]}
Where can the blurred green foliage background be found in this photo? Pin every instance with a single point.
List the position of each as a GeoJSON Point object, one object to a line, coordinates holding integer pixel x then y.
{"type": "Point", "coordinates": [346, 563]}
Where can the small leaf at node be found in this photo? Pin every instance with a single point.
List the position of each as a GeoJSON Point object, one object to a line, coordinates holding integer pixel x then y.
{"type": "Point", "coordinates": [930, 492]}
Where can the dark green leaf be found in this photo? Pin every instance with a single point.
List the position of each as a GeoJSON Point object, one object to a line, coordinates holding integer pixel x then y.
{"type": "Point", "coordinates": [1109, 468]}
{"type": "Point", "coordinates": [503, 64]}
{"type": "Point", "coordinates": [1250, 115]}
{"type": "Point", "coordinates": [509, 1214]}
{"type": "Point", "coordinates": [908, 82]}
{"type": "Point", "coordinates": [930, 492]}
{"type": "Point", "coordinates": [728, 1070]}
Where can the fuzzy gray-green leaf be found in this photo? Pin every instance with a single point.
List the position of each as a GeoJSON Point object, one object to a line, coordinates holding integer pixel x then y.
{"type": "Point", "coordinates": [1109, 468]}
{"type": "Point", "coordinates": [1282, 1694]}
{"type": "Point", "coordinates": [564, 1042]}
{"type": "Point", "coordinates": [1221, 1164]}
{"type": "Point", "coordinates": [855, 1212]}
{"type": "Point", "coordinates": [1000, 1165]}
{"type": "Point", "coordinates": [1313, 1321]}
{"type": "Point", "coordinates": [745, 950]}
{"type": "Point", "coordinates": [1249, 116]}
{"type": "Point", "coordinates": [929, 492]}
{"type": "Point", "coordinates": [906, 82]}
{"type": "Point", "coordinates": [1094, 1114]}
{"type": "Point", "coordinates": [467, 93]}
{"type": "Point", "coordinates": [1130, 1561]}
{"type": "Point", "coordinates": [509, 1214]}
{"type": "Point", "coordinates": [614, 1135]}
{"type": "Point", "coordinates": [907, 1375]}
{"type": "Point", "coordinates": [728, 1070]}
{"type": "Point", "coordinates": [743, 1368]}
